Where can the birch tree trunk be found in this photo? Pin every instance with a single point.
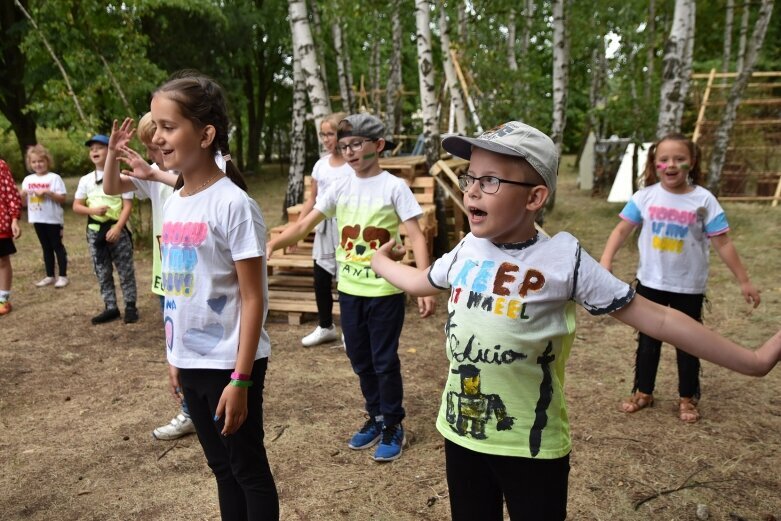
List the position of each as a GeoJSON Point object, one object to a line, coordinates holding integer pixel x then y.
{"type": "Point", "coordinates": [295, 178]}
{"type": "Point", "coordinates": [345, 88]}
{"type": "Point", "coordinates": [374, 76]}
{"type": "Point", "coordinates": [650, 52]}
{"type": "Point", "coordinates": [463, 32]}
{"type": "Point", "coordinates": [675, 82]}
{"type": "Point", "coordinates": [560, 83]}
{"type": "Point", "coordinates": [596, 93]}
{"type": "Point", "coordinates": [457, 100]}
{"type": "Point", "coordinates": [426, 81]}
{"type": "Point", "coordinates": [728, 22]}
{"type": "Point", "coordinates": [512, 63]}
{"type": "Point", "coordinates": [305, 47]}
{"type": "Point", "coordinates": [528, 17]}
{"type": "Point", "coordinates": [394, 86]}
{"type": "Point", "coordinates": [721, 142]}
{"type": "Point", "coordinates": [743, 36]}
{"type": "Point", "coordinates": [317, 35]}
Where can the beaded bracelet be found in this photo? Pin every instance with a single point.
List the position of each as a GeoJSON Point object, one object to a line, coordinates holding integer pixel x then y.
{"type": "Point", "coordinates": [239, 376]}
{"type": "Point", "coordinates": [241, 383]}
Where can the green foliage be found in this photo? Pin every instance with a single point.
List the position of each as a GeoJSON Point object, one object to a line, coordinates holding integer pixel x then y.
{"type": "Point", "coordinates": [67, 149]}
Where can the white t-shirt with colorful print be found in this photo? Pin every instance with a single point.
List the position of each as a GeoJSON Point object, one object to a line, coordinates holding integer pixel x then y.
{"type": "Point", "coordinates": [368, 212]}
{"type": "Point", "coordinates": [674, 239]}
{"type": "Point", "coordinates": [203, 236]}
{"type": "Point", "coordinates": [42, 209]}
{"type": "Point", "coordinates": [510, 327]}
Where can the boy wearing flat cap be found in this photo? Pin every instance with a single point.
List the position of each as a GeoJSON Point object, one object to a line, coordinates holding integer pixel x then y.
{"type": "Point", "coordinates": [369, 205]}
{"type": "Point", "coordinates": [108, 238]}
{"type": "Point", "coordinates": [511, 324]}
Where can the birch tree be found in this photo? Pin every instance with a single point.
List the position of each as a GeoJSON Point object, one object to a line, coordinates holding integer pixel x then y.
{"type": "Point", "coordinates": [426, 81]}
{"type": "Point", "coordinates": [395, 85]}
{"type": "Point", "coordinates": [295, 177]}
{"type": "Point", "coordinates": [719, 152]}
{"type": "Point", "coordinates": [512, 63]}
{"type": "Point", "coordinates": [650, 51]}
{"type": "Point", "coordinates": [675, 81]}
{"type": "Point", "coordinates": [345, 86]}
{"type": "Point", "coordinates": [457, 101]}
{"type": "Point", "coordinates": [304, 45]}
{"type": "Point", "coordinates": [728, 21]}
{"type": "Point", "coordinates": [560, 73]}
{"type": "Point", "coordinates": [743, 36]}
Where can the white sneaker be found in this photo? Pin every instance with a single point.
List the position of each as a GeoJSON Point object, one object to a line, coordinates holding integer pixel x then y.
{"type": "Point", "coordinates": [46, 281]}
{"type": "Point", "coordinates": [320, 335]}
{"type": "Point", "coordinates": [61, 282]}
{"type": "Point", "coordinates": [178, 427]}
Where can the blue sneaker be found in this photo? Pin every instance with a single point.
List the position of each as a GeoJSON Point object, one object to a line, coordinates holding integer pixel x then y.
{"type": "Point", "coordinates": [392, 442]}
{"type": "Point", "coordinates": [368, 435]}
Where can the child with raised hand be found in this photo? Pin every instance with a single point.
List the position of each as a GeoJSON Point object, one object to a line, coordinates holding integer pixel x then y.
{"type": "Point", "coordinates": [10, 211]}
{"type": "Point", "coordinates": [45, 192]}
{"type": "Point", "coordinates": [109, 240]}
{"type": "Point", "coordinates": [328, 170]}
{"type": "Point", "coordinates": [369, 205]}
{"type": "Point", "coordinates": [511, 324]}
{"type": "Point", "coordinates": [678, 221]}
{"type": "Point", "coordinates": [151, 182]}
{"type": "Point", "coordinates": [216, 294]}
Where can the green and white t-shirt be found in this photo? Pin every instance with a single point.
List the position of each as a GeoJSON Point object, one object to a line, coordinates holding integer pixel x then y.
{"type": "Point", "coordinates": [510, 327]}
{"type": "Point", "coordinates": [368, 212]}
{"type": "Point", "coordinates": [90, 189]}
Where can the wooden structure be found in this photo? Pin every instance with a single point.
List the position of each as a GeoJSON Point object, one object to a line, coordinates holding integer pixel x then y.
{"type": "Point", "coordinates": [752, 168]}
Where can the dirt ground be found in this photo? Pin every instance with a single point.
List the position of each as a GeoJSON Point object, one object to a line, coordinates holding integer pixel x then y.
{"type": "Point", "coordinates": [78, 404]}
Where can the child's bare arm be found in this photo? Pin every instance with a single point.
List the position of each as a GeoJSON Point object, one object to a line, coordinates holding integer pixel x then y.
{"type": "Point", "coordinates": [295, 232]}
{"type": "Point", "coordinates": [143, 170]}
{"type": "Point", "coordinates": [676, 328]}
{"type": "Point", "coordinates": [412, 280]}
{"type": "Point", "coordinates": [309, 203]}
{"type": "Point", "coordinates": [81, 208]}
{"type": "Point", "coordinates": [614, 242]}
{"type": "Point", "coordinates": [729, 254]}
{"type": "Point", "coordinates": [426, 303]}
{"type": "Point", "coordinates": [113, 182]}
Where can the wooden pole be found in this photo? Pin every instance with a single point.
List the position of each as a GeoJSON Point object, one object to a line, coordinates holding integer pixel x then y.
{"type": "Point", "coordinates": [703, 106]}
{"type": "Point", "coordinates": [468, 97]}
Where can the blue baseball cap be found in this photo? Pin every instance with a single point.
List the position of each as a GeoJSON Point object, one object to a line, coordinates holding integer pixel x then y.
{"type": "Point", "coordinates": [97, 138]}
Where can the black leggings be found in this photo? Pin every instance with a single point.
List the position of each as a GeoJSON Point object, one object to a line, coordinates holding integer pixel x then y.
{"type": "Point", "coordinates": [245, 485]}
{"type": "Point", "coordinates": [534, 489]}
{"type": "Point", "coordinates": [50, 237]}
{"type": "Point", "coordinates": [649, 349]}
{"type": "Point", "coordinates": [324, 296]}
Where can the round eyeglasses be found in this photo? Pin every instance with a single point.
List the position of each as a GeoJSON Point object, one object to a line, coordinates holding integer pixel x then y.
{"type": "Point", "coordinates": [488, 184]}
{"type": "Point", "coordinates": [355, 146]}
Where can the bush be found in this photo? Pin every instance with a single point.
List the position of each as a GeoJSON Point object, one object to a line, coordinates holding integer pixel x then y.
{"type": "Point", "coordinates": [67, 149]}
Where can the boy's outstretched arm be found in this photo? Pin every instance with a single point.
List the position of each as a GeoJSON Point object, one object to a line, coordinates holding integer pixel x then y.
{"type": "Point", "coordinates": [729, 254]}
{"type": "Point", "coordinates": [412, 280]}
{"type": "Point", "coordinates": [614, 243]}
{"type": "Point", "coordinates": [426, 303]}
{"type": "Point", "coordinates": [295, 232]}
{"type": "Point", "coordinates": [676, 328]}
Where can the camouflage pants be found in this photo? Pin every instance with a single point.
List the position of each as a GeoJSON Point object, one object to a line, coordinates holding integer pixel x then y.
{"type": "Point", "coordinates": [105, 256]}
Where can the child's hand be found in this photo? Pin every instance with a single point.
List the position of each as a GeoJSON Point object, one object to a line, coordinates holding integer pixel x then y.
{"type": "Point", "coordinates": [98, 210]}
{"type": "Point", "coordinates": [233, 403]}
{"type": "Point", "coordinates": [41, 193]}
{"type": "Point", "coordinates": [113, 234]}
{"type": "Point", "coordinates": [120, 135]}
{"type": "Point", "coordinates": [606, 264]}
{"type": "Point", "coordinates": [141, 169]}
{"type": "Point", "coordinates": [393, 251]}
{"type": "Point", "coordinates": [16, 230]}
{"type": "Point", "coordinates": [269, 249]}
{"type": "Point", "coordinates": [173, 383]}
{"type": "Point", "coordinates": [426, 306]}
{"type": "Point", "coordinates": [750, 293]}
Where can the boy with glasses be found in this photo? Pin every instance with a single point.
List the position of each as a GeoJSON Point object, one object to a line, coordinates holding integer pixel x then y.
{"type": "Point", "coordinates": [369, 205]}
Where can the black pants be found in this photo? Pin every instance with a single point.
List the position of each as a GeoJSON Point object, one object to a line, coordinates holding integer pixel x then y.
{"type": "Point", "coordinates": [50, 237]}
{"type": "Point", "coordinates": [372, 327]}
{"type": "Point", "coordinates": [245, 485]}
{"type": "Point", "coordinates": [324, 298]}
{"type": "Point", "coordinates": [534, 489]}
{"type": "Point", "coordinates": [649, 349]}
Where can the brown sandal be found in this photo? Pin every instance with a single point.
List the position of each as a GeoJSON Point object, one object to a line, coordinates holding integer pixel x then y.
{"type": "Point", "coordinates": [637, 401]}
{"type": "Point", "coordinates": [687, 410]}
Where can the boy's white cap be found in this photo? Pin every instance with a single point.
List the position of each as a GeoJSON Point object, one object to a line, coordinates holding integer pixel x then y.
{"type": "Point", "coordinates": [512, 139]}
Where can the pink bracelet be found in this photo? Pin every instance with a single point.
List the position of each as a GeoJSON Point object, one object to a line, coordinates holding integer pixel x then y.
{"type": "Point", "coordinates": [239, 376]}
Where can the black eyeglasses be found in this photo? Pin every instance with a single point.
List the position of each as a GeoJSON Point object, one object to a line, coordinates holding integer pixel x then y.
{"type": "Point", "coordinates": [355, 146]}
{"type": "Point", "coordinates": [488, 184]}
{"type": "Point", "coordinates": [326, 134]}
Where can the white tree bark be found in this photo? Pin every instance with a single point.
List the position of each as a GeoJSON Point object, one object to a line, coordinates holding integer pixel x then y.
{"type": "Point", "coordinates": [596, 93]}
{"type": "Point", "coordinates": [719, 152]}
{"type": "Point", "coordinates": [560, 73]}
{"type": "Point", "coordinates": [457, 100]}
{"type": "Point", "coordinates": [728, 22]}
{"type": "Point", "coordinates": [426, 81]}
{"type": "Point", "coordinates": [528, 17]}
{"type": "Point", "coordinates": [463, 32]}
{"type": "Point", "coordinates": [304, 45]}
{"type": "Point", "coordinates": [512, 63]}
{"type": "Point", "coordinates": [650, 51]}
{"type": "Point", "coordinates": [375, 70]}
{"type": "Point", "coordinates": [675, 80]}
{"type": "Point", "coordinates": [345, 88]}
{"type": "Point", "coordinates": [394, 86]}
{"type": "Point", "coordinates": [743, 36]}
{"type": "Point", "coordinates": [295, 178]}
{"type": "Point", "coordinates": [317, 35]}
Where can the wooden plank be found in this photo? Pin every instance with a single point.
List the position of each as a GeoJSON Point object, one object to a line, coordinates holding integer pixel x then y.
{"type": "Point", "coordinates": [777, 195]}
{"type": "Point", "coordinates": [703, 106]}
{"type": "Point", "coordinates": [755, 74]}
